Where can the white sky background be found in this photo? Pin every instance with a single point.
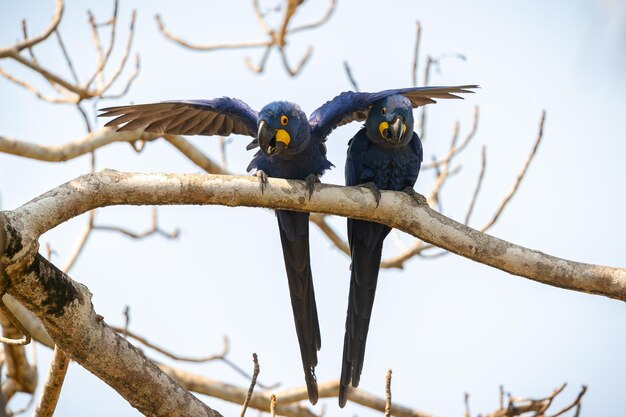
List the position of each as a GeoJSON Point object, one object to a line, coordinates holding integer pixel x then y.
{"type": "Point", "coordinates": [444, 326]}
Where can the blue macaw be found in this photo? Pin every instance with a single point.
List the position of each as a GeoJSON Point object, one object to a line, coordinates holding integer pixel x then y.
{"type": "Point", "coordinates": [291, 147]}
{"type": "Point", "coordinates": [386, 154]}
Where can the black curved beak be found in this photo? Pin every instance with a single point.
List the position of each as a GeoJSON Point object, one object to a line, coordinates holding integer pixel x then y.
{"type": "Point", "coordinates": [396, 130]}
{"type": "Point", "coordinates": [266, 138]}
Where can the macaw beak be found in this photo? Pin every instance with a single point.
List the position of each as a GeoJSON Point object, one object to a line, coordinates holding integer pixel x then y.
{"type": "Point", "coordinates": [269, 139]}
{"type": "Point", "coordinates": [397, 130]}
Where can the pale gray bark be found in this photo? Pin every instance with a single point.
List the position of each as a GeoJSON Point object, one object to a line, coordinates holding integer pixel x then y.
{"type": "Point", "coordinates": [64, 306]}
{"type": "Point", "coordinates": [397, 210]}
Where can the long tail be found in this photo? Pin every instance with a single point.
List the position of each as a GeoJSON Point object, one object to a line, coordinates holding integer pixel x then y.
{"type": "Point", "coordinates": [294, 236]}
{"type": "Point", "coordinates": [366, 243]}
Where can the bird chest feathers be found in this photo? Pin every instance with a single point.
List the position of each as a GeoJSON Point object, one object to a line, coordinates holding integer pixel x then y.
{"type": "Point", "coordinates": [390, 170]}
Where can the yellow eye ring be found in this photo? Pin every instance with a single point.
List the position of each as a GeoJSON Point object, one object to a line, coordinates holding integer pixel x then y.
{"type": "Point", "coordinates": [284, 120]}
{"type": "Point", "coordinates": [383, 111]}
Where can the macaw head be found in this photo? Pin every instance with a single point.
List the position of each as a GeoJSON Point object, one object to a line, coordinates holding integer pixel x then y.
{"type": "Point", "coordinates": [390, 122]}
{"type": "Point", "coordinates": [283, 129]}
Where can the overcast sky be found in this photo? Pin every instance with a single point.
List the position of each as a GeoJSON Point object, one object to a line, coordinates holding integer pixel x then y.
{"type": "Point", "coordinates": [444, 326]}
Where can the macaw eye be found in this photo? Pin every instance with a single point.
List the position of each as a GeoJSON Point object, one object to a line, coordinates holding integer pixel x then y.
{"type": "Point", "coordinates": [284, 120]}
{"type": "Point", "coordinates": [383, 111]}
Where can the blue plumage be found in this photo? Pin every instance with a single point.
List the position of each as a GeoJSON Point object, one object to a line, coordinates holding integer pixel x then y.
{"type": "Point", "coordinates": [293, 147]}
{"type": "Point", "coordinates": [386, 154]}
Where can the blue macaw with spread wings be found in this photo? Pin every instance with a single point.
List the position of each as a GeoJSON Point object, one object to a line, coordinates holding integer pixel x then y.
{"type": "Point", "coordinates": [291, 147]}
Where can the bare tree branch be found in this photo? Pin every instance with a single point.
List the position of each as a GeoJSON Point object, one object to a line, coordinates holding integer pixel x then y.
{"type": "Point", "coordinates": [65, 309]}
{"type": "Point", "coordinates": [255, 374]}
{"type": "Point", "coordinates": [9, 315]}
{"type": "Point", "coordinates": [518, 407]}
{"type": "Point", "coordinates": [21, 375]}
{"type": "Point", "coordinates": [395, 210]}
{"type": "Point", "coordinates": [520, 176]}
{"type": "Point", "coordinates": [388, 394]}
{"type": "Point", "coordinates": [330, 389]}
{"type": "Point", "coordinates": [418, 37]}
{"type": "Point", "coordinates": [276, 37]}
{"type": "Point", "coordinates": [29, 43]}
{"type": "Point", "coordinates": [218, 356]}
{"type": "Point", "coordinates": [228, 392]}
{"type": "Point", "coordinates": [82, 146]}
{"type": "Point", "coordinates": [52, 385]}
{"type": "Point", "coordinates": [320, 22]}
{"type": "Point", "coordinates": [208, 47]}
{"type": "Point", "coordinates": [479, 183]}
{"type": "Point", "coordinates": [346, 67]}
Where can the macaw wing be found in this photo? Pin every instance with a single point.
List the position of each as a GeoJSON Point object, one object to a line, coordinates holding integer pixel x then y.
{"type": "Point", "coordinates": [350, 106]}
{"type": "Point", "coordinates": [220, 116]}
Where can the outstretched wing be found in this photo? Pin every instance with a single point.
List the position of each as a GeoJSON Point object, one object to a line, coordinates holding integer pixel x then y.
{"type": "Point", "coordinates": [353, 107]}
{"type": "Point", "coordinates": [220, 116]}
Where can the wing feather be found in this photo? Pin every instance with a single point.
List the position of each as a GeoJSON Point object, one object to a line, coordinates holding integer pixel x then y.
{"type": "Point", "coordinates": [220, 116]}
{"type": "Point", "coordinates": [350, 106]}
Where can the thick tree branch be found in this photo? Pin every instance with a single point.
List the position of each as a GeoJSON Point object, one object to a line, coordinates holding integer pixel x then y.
{"type": "Point", "coordinates": [395, 210]}
{"type": "Point", "coordinates": [64, 307]}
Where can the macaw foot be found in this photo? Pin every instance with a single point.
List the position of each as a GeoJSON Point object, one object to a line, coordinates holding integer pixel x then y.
{"type": "Point", "coordinates": [374, 189]}
{"type": "Point", "coordinates": [311, 180]}
{"type": "Point", "coordinates": [262, 176]}
{"type": "Point", "coordinates": [420, 199]}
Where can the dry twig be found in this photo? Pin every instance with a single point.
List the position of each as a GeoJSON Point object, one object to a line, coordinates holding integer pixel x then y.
{"type": "Point", "coordinates": [276, 37]}
{"type": "Point", "coordinates": [388, 394]}
{"type": "Point", "coordinates": [52, 385]}
{"type": "Point", "coordinates": [255, 374]}
{"type": "Point", "coordinates": [518, 407]}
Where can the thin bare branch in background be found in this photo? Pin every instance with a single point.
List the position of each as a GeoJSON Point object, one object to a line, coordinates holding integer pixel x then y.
{"type": "Point", "coordinates": [258, 69]}
{"type": "Point", "coordinates": [320, 221]}
{"type": "Point", "coordinates": [430, 64]}
{"type": "Point", "coordinates": [9, 315]}
{"type": "Point", "coordinates": [454, 150]}
{"type": "Point", "coordinates": [66, 55]}
{"type": "Point", "coordinates": [21, 376]}
{"type": "Point", "coordinates": [255, 374]}
{"type": "Point", "coordinates": [222, 356]}
{"type": "Point", "coordinates": [30, 42]}
{"type": "Point", "coordinates": [273, 405]}
{"type": "Point", "coordinates": [416, 53]}
{"type": "Point", "coordinates": [52, 385]}
{"type": "Point", "coordinates": [103, 57]}
{"type": "Point", "coordinates": [25, 35]}
{"type": "Point", "coordinates": [388, 394]}
{"type": "Point", "coordinates": [422, 125]}
{"type": "Point", "coordinates": [293, 71]}
{"type": "Point", "coordinates": [126, 314]}
{"type": "Point", "coordinates": [219, 356]}
{"type": "Point", "coordinates": [208, 47]}
{"type": "Point", "coordinates": [479, 183]}
{"type": "Point", "coordinates": [518, 407]}
{"type": "Point", "coordinates": [153, 230]}
{"type": "Point", "coordinates": [467, 406]}
{"type": "Point", "coordinates": [70, 91]}
{"type": "Point", "coordinates": [80, 243]}
{"type": "Point", "coordinates": [353, 82]}
{"type": "Point", "coordinates": [276, 37]}
{"type": "Point", "coordinates": [49, 251]}
{"type": "Point", "coordinates": [577, 403]}
{"type": "Point", "coordinates": [507, 198]}
{"type": "Point", "coordinates": [223, 142]}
